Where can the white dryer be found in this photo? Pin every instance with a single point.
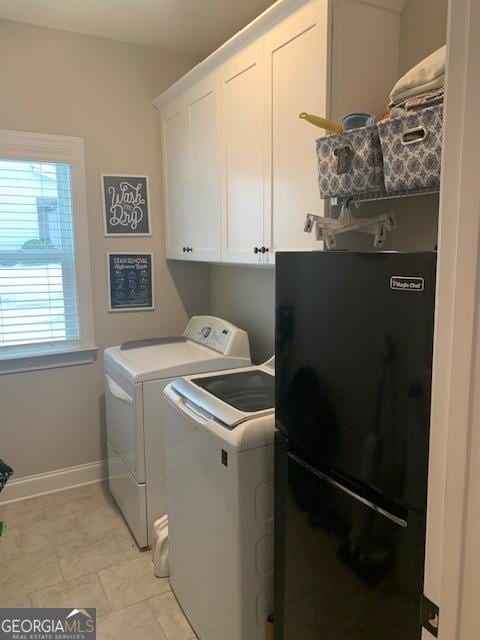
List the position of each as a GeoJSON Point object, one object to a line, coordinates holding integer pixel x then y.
{"type": "Point", "coordinates": [135, 376]}
{"type": "Point", "coordinates": [219, 442]}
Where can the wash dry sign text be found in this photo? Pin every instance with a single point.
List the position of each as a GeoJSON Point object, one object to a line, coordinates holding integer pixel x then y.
{"type": "Point", "coordinates": [126, 205]}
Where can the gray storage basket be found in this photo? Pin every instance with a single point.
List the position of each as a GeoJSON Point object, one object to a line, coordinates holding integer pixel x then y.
{"type": "Point", "coordinates": [350, 163]}
{"type": "Point", "coordinates": [412, 148]}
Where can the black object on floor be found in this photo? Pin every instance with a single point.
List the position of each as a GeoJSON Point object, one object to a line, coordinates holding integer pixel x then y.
{"type": "Point", "coordinates": [5, 473]}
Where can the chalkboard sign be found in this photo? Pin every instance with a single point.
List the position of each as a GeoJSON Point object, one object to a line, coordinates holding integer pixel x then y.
{"type": "Point", "coordinates": [125, 205]}
{"type": "Point", "coordinates": [130, 281]}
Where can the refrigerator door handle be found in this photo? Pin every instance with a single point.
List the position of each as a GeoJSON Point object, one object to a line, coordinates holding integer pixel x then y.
{"type": "Point", "coordinates": [387, 514]}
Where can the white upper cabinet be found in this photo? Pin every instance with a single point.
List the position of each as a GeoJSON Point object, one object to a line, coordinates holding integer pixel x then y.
{"type": "Point", "coordinates": [205, 192]}
{"type": "Point", "coordinates": [192, 173]}
{"type": "Point", "coordinates": [176, 180]}
{"type": "Point", "coordinates": [242, 101]}
{"type": "Point", "coordinates": [296, 69]}
{"type": "Point", "coordinates": [240, 167]}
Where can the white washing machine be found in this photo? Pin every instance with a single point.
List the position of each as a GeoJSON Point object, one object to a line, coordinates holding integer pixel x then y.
{"type": "Point", "coordinates": [219, 442]}
{"type": "Point", "coordinates": [135, 376]}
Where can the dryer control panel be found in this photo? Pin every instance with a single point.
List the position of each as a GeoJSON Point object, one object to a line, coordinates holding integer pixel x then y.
{"type": "Point", "coordinates": [218, 334]}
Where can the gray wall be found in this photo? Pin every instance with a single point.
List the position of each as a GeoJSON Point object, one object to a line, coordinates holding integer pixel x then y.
{"type": "Point", "coordinates": [101, 90]}
{"type": "Point", "coordinates": [423, 29]}
{"type": "Point", "coordinates": [246, 296]}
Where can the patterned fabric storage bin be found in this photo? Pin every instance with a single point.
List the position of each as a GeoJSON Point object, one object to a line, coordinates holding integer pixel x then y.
{"type": "Point", "coordinates": [350, 163]}
{"type": "Point", "coordinates": [412, 147]}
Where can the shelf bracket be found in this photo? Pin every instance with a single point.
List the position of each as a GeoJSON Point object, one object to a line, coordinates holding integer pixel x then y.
{"type": "Point", "coordinates": [327, 229]}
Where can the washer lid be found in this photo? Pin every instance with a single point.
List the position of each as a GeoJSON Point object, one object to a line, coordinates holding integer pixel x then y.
{"type": "Point", "coordinates": [164, 360]}
{"type": "Point", "coordinates": [231, 398]}
{"type": "Point", "coordinates": [248, 391]}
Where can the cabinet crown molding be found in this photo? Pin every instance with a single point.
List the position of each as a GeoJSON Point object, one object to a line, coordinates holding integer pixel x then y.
{"type": "Point", "coordinates": [265, 21]}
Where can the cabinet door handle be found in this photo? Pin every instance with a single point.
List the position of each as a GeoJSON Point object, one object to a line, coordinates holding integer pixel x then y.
{"type": "Point", "coordinates": [256, 250]}
{"type": "Point", "coordinates": [184, 249]}
{"type": "Point", "coordinates": [189, 248]}
{"type": "Point", "coordinates": [264, 249]}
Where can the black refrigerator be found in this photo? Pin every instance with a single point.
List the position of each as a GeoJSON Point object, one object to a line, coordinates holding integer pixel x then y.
{"type": "Point", "coordinates": [354, 339]}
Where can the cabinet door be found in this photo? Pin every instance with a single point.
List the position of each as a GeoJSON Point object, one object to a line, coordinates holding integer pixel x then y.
{"type": "Point", "coordinates": [176, 174]}
{"type": "Point", "coordinates": [296, 67]}
{"type": "Point", "coordinates": [203, 117]}
{"type": "Point", "coordinates": [242, 105]}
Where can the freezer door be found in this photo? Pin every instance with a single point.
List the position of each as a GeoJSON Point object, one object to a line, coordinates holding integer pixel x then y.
{"type": "Point", "coordinates": [353, 365]}
{"type": "Point", "coordinates": [344, 570]}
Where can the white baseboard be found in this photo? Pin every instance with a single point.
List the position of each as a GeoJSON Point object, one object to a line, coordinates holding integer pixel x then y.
{"type": "Point", "coordinates": [31, 486]}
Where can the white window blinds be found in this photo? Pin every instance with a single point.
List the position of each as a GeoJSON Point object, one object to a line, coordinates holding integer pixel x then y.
{"type": "Point", "coordinates": [38, 289]}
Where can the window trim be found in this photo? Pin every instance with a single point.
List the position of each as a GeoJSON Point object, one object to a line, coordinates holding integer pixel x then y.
{"type": "Point", "coordinates": [21, 145]}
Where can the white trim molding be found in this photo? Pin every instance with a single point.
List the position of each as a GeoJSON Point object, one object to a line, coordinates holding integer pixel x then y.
{"type": "Point", "coordinates": [51, 481]}
{"type": "Point", "coordinates": [22, 363]}
{"type": "Point", "coordinates": [452, 577]}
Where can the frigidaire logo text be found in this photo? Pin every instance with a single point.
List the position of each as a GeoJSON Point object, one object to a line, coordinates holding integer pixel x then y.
{"type": "Point", "coordinates": [407, 283]}
{"type": "Point", "coordinates": [48, 624]}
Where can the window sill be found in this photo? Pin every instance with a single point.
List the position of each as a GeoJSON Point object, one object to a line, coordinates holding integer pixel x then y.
{"type": "Point", "coordinates": [52, 360]}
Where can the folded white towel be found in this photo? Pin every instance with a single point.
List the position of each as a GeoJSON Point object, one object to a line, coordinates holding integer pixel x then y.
{"type": "Point", "coordinates": [427, 75]}
{"type": "Point", "coordinates": [422, 101]}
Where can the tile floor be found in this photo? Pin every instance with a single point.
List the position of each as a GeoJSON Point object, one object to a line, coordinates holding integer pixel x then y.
{"type": "Point", "coordinates": [73, 549]}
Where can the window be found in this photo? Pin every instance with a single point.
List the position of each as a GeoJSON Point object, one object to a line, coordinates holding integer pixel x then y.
{"type": "Point", "coordinates": [45, 301]}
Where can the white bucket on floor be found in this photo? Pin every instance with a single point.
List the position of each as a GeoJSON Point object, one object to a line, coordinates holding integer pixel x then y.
{"type": "Point", "coordinates": [160, 547]}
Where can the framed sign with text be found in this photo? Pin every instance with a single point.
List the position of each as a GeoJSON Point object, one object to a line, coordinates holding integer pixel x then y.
{"type": "Point", "coordinates": [126, 206]}
{"type": "Point", "coordinates": [130, 281]}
